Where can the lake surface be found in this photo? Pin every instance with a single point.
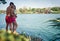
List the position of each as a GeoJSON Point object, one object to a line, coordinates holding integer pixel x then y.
{"type": "Point", "coordinates": [35, 25]}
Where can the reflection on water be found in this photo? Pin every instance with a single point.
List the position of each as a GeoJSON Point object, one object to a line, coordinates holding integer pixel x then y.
{"type": "Point", "coordinates": [35, 25]}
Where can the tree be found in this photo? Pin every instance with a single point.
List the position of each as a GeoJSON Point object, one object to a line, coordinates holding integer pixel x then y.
{"type": "Point", "coordinates": [55, 8]}
{"type": "Point", "coordinates": [3, 1]}
{"type": "Point", "coordinates": [55, 23]}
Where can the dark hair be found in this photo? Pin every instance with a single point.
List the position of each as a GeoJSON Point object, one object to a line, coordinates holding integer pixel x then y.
{"type": "Point", "coordinates": [11, 3]}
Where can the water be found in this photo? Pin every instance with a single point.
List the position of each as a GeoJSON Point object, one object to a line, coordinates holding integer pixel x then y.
{"type": "Point", "coordinates": [35, 25]}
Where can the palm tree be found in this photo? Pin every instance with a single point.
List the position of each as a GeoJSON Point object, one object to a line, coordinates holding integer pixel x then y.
{"type": "Point", "coordinates": [3, 1]}
{"type": "Point", "coordinates": [55, 23]}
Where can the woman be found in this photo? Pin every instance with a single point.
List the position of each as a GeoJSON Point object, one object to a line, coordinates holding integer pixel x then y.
{"type": "Point", "coordinates": [11, 18]}
{"type": "Point", "coordinates": [14, 18]}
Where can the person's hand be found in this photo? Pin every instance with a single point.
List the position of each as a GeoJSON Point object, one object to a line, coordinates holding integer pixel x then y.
{"type": "Point", "coordinates": [15, 15]}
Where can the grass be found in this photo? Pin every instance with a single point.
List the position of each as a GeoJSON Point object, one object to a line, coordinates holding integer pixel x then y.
{"type": "Point", "coordinates": [5, 36]}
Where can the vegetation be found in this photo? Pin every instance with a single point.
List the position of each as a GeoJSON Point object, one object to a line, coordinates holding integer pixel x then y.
{"type": "Point", "coordinates": [56, 37]}
{"type": "Point", "coordinates": [3, 1]}
{"type": "Point", "coordinates": [55, 23]}
{"type": "Point", "coordinates": [53, 10]}
{"type": "Point", "coordinates": [33, 10]}
{"type": "Point", "coordinates": [5, 36]}
{"type": "Point", "coordinates": [2, 11]}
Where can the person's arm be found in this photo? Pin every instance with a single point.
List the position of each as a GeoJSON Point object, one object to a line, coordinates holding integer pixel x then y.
{"type": "Point", "coordinates": [15, 11]}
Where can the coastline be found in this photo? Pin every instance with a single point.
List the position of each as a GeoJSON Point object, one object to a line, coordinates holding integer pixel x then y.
{"type": "Point", "coordinates": [5, 36]}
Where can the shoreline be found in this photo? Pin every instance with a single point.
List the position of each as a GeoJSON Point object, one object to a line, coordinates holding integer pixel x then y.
{"type": "Point", "coordinates": [11, 37]}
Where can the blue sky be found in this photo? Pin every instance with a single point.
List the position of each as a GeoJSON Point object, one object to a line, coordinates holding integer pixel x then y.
{"type": "Point", "coordinates": [31, 3]}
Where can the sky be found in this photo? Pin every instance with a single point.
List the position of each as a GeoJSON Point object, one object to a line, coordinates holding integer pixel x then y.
{"type": "Point", "coordinates": [31, 3]}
